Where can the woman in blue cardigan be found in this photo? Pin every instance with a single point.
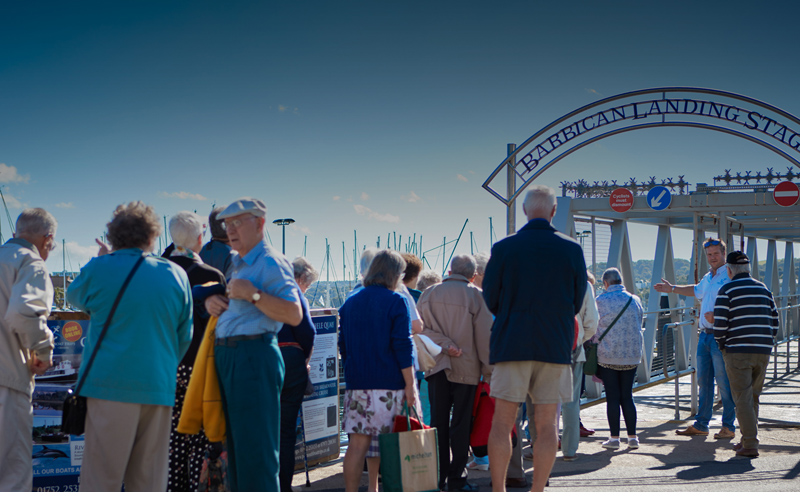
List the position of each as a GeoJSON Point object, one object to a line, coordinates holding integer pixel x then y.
{"type": "Point", "coordinates": [375, 345]}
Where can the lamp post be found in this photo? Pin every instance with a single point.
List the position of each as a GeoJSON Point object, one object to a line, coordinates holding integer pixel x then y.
{"type": "Point", "coordinates": [284, 223]}
{"type": "Point", "coordinates": [582, 236]}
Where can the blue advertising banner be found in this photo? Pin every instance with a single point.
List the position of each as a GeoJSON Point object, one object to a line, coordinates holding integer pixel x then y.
{"type": "Point", "coordinates": [57, 457]}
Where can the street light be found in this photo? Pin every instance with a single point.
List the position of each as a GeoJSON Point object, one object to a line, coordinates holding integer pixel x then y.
{"type": "Point", "coordinates": [284, 223]}
{"type": "Point", "coordinates": [583, 235]}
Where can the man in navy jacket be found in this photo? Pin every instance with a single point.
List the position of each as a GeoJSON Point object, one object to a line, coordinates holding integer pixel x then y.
{"type": "Point", "coordinates": [534, 284]}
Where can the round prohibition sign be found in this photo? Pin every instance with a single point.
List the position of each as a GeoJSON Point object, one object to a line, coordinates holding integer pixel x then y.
{"type": "Point", "coordinates": [621, 200]}
{"type": "Point", "coordinates": [786, 193]}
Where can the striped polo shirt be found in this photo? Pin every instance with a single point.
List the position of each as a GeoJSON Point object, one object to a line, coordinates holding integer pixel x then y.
{"type": "Point", "coordinates": [745, 316]}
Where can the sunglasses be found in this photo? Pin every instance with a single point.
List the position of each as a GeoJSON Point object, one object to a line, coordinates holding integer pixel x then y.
{"type": "Point", "coordinates": [711, 243]}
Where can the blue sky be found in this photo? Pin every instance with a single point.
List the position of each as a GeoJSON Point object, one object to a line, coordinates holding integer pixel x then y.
{"type": "Point", "coordinates": [373, 117]}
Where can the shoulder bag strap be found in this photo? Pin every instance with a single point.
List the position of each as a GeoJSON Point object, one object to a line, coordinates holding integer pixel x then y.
{"type": "Point", "coordinates": [108, 322]}
{"type": "Point", "coordinates": [630, 299]}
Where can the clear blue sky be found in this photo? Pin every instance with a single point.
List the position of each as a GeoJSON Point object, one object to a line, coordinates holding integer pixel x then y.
{"type": "Point", "coordinates": [372, 116]}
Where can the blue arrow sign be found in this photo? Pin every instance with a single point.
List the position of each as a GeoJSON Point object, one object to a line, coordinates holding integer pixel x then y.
{"type": "Point", "coordinates": [659, 198]}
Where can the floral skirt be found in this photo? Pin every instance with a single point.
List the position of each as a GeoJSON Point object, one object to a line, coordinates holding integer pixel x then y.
{"type": "Point", "coordinates": [372, 412]}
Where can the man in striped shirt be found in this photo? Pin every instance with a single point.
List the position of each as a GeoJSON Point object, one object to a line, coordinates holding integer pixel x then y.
{"type": "Point", "coordinates": [745, 325]}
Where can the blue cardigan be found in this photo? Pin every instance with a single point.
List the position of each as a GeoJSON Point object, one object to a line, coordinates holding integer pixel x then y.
{"type": "Point", "coordinates": [149, 333]}
{"type": "Point", "coordinates": [534, 285]}
{"type": "Point", "coordinates": [375, 340]}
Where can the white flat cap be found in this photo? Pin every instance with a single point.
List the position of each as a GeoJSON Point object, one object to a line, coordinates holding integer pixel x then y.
{"type": "Point", "coordinates": [244, 206]}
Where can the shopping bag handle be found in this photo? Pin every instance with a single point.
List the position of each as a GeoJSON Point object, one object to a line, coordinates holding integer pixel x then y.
{"type": "Point", "coordinates": [408, 416]}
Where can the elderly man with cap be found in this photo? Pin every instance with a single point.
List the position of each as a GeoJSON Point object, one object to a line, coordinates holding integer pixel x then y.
{"type": "Point", "coordinates": [261, 297]}
{"type": "Point", "coordinates": [745, 325]}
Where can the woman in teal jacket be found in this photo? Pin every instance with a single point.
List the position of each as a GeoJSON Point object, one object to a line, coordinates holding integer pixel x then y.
{"type": "Point", "coordinates": [130, 388]}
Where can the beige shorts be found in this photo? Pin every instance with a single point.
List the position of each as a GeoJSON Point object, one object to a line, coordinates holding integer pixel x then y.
{"type": "Point", "coordinates": [546, 383]}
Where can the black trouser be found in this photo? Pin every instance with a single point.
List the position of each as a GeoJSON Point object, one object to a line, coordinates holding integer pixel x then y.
{"type": "Point", "coordinates": [453, 434]}
{"type": "Point", "coordinates": [619, 393]}
{"type": "Point", "coordinates": [294, 386]}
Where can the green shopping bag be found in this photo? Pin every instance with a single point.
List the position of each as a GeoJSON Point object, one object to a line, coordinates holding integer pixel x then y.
{"type": "Point", "coordinates": [410, 460]}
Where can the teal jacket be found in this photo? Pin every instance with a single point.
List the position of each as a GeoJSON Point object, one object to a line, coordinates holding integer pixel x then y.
{"type": "Point", "coordinates": [149, 333]}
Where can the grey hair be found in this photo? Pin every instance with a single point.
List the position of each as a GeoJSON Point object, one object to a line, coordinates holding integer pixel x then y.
{"type": "Point", "coordinates": [385, 270]}
{"type": "Point", "coordinates": [739, 268]}
{"type": "Point", "coordinates": [35, 222]}
{"type": "Point", "coordinates": [612, 276]}
{"type": "Point", "coordinates": [184, 228]}
{"type": "Point", "coordinates": [463, 265]}
{"type": "Point", "coordinates": [428, 278]}
{"type": "Point", "coordinates": [366, 259]}
{"type": "Point", "coordinates": [304, 271]}
{"type": "Point", "coordinates": [481, 259]}
{"type": "Point", "coordinates": [539, 201]}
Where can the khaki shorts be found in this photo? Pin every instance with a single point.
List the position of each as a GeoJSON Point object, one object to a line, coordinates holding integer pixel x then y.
{"type": "Point", "coordinates": [546, 383]}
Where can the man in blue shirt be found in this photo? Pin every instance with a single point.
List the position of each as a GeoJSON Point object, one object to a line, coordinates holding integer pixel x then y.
{"type": "Point", "coordinates": [710, 363]}
{"type": "Point", "coordinates": [261, 297]}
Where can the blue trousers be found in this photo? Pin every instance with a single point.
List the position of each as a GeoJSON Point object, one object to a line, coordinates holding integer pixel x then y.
{"type": "Point", "coordinates": [250, 381]}
{"type": "Point", "coordinates": [711, 366]}
{"type": "Point", "coordinates": [294, 385]}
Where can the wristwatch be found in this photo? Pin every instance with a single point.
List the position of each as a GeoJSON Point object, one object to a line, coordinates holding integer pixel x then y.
{"type": "Point", "coordinates": [256, 297]}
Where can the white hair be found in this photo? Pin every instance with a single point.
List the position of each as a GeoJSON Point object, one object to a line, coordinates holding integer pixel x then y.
{"type": "Point", "coordinates": [539, 202]}
{"type": "Point", "coordinates": [428, 278]}
{"type": "Point", "coordinates": [35, 222]}
{"type": "Point", "coordinates": [612, 276]}
{"type": "Point", "coordinates": [366, 259]}
{"type": "Point", "coordinates": [304, 271]}
{"type": "Point", "coordinates": [184, 228]}
{"type": "Point", "coordinates": [481, 259]}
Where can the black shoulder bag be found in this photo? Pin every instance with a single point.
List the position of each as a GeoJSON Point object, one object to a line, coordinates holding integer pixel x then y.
{"type": "Point", "coordinates": [73, 418]}
{"type": "Point", "coordinates": [590, 367]}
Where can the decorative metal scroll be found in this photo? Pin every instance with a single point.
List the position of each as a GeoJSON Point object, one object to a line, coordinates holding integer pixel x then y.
{"type": "Point", "coordinates": [770, 177]}
{"type": "Point", "coordinates": [734, 114]}
{"type": "Point", "coordinates": [602, 189]}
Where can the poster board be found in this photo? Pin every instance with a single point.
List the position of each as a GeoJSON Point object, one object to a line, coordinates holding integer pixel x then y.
{"type": "Point", "coordinates": [320, 410]}
{"type": "Point", "coordinates": [57, 457]}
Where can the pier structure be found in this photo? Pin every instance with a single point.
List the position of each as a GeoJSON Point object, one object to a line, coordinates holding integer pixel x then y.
{"type": "Point", "coordinates": [739, 214]}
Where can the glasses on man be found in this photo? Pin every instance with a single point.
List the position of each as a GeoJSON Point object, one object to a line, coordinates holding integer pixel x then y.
{"type": "Point", "coordinates": [233, 223]}
{"type": "Point", "coordinates": [52, 245]}
{"type": "Point", "coordinates": [712, 243]}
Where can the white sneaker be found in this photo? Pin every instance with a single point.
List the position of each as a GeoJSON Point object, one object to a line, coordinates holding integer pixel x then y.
{"type": "Point", "coordinates": [611, 444]}
{"type": "Point", "coordinates": [633, 443]}
{"type": "Point", "coordinates": [473, 465]}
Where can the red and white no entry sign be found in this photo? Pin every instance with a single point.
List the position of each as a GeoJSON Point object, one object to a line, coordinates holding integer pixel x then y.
{"type": "Point", "coordinates": [621, 200]}
{"type": "Point", "coordinates": [786, 193]}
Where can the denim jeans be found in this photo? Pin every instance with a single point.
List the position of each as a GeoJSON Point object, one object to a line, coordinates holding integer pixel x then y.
{"type": "Point", "coordinates": [710, 366]}
{"type": "Point", "coordinates": [570, 414]}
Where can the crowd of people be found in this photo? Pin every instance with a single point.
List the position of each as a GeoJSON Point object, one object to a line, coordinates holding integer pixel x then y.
{"type": "Point", "coordinates": [521, 320]}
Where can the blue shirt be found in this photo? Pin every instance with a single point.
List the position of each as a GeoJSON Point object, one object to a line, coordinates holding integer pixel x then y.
{"type": "Point", "coordinates": [269, 271]}
{"type": "Point", "coordinates": [148, 335]}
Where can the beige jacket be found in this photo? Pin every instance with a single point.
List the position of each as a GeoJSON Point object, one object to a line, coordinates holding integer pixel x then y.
{"type": "Point", "coordinates": [455, 314]}
{"type": "Point", "coordinates": [26, 297]}
{"type": "Point", "coordinates": [588, 317]}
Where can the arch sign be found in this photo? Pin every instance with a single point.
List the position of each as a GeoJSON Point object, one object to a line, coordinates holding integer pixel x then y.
{"type": "Point", "coordinates": [709, 109]}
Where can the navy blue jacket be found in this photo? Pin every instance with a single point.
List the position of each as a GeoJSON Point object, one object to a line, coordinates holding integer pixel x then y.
{"type": "Point", "coordinates": [534, 285]}
{"type": "Point", "coordinates": [375, 340]}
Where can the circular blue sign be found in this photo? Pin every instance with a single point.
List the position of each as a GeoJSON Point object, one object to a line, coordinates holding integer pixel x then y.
{"type": "Point", "coordinates": [659, 198]}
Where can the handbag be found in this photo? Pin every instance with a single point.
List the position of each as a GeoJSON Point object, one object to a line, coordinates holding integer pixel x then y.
{"type": "Point", "coordinates": [590, 366]}
{"type": "Point", "coordinates": [426, 351]}
{"type": "Point", "coordinates": [73, 416]}
{"type": "Point", "coordinates": [410, 460]}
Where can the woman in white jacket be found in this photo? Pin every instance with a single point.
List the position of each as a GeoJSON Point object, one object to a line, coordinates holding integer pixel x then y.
{"type": "Point", "coordinates": [587, 319]}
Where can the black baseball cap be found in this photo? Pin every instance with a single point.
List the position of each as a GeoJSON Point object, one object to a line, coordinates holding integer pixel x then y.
{"type": "Point", "coordinates": [737, 257]}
